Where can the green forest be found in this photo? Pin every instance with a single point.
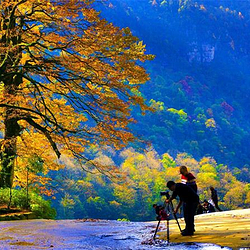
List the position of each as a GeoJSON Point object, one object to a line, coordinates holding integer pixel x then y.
{"type": "Point", "coordinates": [200, 76]}
{"type": "Point", "coordinates": [100, 103]}
{"type": "Point", "coordinates": [144, 176]}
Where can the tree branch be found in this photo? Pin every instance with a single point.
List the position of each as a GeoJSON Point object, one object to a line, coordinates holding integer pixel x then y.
{"type": "Point", "coordinates": [46, 133]}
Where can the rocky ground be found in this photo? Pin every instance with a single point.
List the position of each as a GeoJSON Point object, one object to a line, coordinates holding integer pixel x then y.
{"type": "Point", "coordinates": [230, 228]}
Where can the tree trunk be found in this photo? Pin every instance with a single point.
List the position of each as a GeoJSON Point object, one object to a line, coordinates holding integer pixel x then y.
{"type": "Point", "coordinates": [8, 152]}
{"type": "Point", "coordinates": [11, 80]}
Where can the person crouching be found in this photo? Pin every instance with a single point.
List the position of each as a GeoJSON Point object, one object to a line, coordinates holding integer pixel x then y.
{"type": "Point", "coordinates": [190, 201]}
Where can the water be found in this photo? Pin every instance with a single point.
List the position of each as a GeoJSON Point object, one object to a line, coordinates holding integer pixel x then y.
{"type": "Point", "coordinates": [77, 234]}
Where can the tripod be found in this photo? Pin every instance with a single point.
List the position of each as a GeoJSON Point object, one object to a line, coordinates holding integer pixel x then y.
{"type": "Point", "coordinates": [169, 209]}
{"type": "Point", "coordinates": [172, 210]}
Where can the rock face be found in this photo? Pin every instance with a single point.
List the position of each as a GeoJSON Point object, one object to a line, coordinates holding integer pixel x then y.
{"type": "Point", "coordinates": [201, 52]}
{"type": "Point", "coordinates": [82, 234]}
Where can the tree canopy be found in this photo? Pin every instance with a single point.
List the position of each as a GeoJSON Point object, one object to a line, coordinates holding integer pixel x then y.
{"type": "Point", "coordinates": [200, 76]}
{"type": "Point", "coordinates": [68, 79]}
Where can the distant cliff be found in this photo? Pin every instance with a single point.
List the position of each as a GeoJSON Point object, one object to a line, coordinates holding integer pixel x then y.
{"type": "Point", "coordinates": [201, 67]}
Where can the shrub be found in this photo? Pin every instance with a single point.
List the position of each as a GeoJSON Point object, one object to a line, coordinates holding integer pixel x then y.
{"type": "Point", "coordinates": [36, 203]}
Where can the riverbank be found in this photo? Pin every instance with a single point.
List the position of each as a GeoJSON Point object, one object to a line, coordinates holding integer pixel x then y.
{"type": "Point", "coordinates": [227, 228]}
{"type": "Point", "coordinates": [9, 214]}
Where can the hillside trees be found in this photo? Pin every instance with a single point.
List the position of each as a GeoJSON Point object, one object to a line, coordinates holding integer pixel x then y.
{"type": "Point", "coordinates": [145, 176]}
{"type": "Point", "coordinates": [67, 81]}
{"type": "Point", "coordinates": [144, 181]}
{"type": "Point", "coordinates": [202, 54]}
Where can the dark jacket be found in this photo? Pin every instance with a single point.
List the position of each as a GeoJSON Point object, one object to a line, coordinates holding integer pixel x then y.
{"type": "Point", "coordinates": [214, 195]}
{"type": "Point", "coordinates": [209, 208]}
{"type": "Point", "coordinates": [185, 193]}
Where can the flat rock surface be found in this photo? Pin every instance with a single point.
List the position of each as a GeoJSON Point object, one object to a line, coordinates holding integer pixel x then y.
{"type": "Point", "coordinates": [228, 228]}
{"type": "Point", "coordinates": [82, 234]}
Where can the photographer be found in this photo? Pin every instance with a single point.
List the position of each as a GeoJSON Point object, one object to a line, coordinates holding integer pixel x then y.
{"type": "Point", "coordinates": [214, 197]}
{"type": "Point", "coordinates": [208, 207]}
{"type": "Point", "coordinates": [190, 201]}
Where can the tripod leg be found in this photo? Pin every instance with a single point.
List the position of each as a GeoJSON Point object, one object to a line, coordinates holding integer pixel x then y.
{"type": "Point", "coordinates": [168, 230]}
{"type": "Point", "coordinates": [172, 208]}
{"type": "Point", "coordinates": [157, 228]}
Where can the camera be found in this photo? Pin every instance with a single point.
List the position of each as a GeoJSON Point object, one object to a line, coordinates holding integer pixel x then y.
{"type": "Point", "coordinates": [165, 193]}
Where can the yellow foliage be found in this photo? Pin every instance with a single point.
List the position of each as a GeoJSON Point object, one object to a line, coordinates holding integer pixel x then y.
{"type": "Point", "coordinates": [180, 112]}
{"type": "Point", "coordinates": [67, 201]}
{"type": "Point", "coordinates": [208, 168]}
{"type": "Point", "coordinates": [95, 200]}
{"type": "Point", "coordinates": [205, 180]}
{"type": "Point", "coordinates": [188, 161]}
{"type": "Point", "coordinates": [125, 194]}
{"type": "Point", "coordinates": [157, 105]}
{"type": "Point", "coordinates": [210, 123]}
{"type": "Point", "coordinates": [173, 174]}
{"type": "Point", "coordinates": [76, 79]}
{"type": "Point", "coordinates": [115, 203]}
{"type": "Point", "coordinates": [247, 201]}
{"type": "Point", "coordinates": [146, 177]}
{"type": "Point", "coordinates": [208, 160]}
{"type": "Point", "coordinates": [25, 57]}
{"type": "Point", "coordinates": [234, 196]}
{"type": "Point", "coordinates": [228, 180]}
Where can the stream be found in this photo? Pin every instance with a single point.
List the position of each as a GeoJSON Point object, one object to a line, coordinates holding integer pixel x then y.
{"type": "Point", "coordinates": [89, 235]}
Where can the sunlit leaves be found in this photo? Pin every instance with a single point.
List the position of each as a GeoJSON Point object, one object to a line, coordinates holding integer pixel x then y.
{"type": "Point", "coordinates": [73, 78]}
{"type": "Point", "coordinates": [182, 115]}
{"type": "Point", "coordinates": [210, 123]}
{"type": "Point", "coordinates": [157, 105]}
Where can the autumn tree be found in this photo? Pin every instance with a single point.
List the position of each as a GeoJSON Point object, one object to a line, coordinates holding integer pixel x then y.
{"type": "Point", "coordinates": [68, 79]}
{"type": "Point", "coordinates": [144, 181]}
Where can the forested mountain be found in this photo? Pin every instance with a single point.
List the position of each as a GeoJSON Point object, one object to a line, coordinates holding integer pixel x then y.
{"type": "Point", "coordinates": [199, 90]}
{"type": "Point", "coordinates": [191, 103]}
{"type": "Point", "coordinates": [200, 77]}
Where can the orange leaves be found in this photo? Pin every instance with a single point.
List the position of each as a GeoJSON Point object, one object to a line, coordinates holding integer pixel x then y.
{"type": "Point", "coordinates": [75, 79]}
{"type": "Point", "coordinates": [25, 58]}
{"type": "Point", "coordinates": [90, 15]}
{"type": "Point", "coordinates": [112, 134]}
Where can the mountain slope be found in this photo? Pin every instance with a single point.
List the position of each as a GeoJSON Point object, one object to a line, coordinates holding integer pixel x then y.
{"type": "Point", "coordinates": [200, 78]}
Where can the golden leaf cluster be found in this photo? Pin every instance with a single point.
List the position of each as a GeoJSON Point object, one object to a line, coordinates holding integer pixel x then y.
{"type": "Point", "coordinates": [67, 78]}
